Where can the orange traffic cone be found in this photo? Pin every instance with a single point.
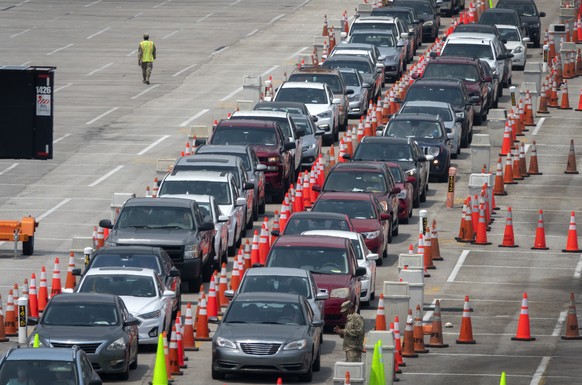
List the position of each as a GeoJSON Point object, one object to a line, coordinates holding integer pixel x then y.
{"type": "Point", "coordinates": [255, 249]}
{"type": "Point", "coordinates": [515, 168]}
{"type": "Point", "coordinates": [466, 332]}
{"type": "Point", "coordinates": [408, 342]}
{"type": "Point", "coordinates": [396, 366]}
{"type": "Point", "coordinates": [70, 281]}
{"type": "Point", "coordinates": [246, 257]}
{"type": "Point", "coordinates": [325, 31]}
{"type": "Point", "coordinates": [181, 357]}
{"type": "Point", "coordinates": [499, 186]}
{"type": "Point", "coordinates": [202, 333]}
{"type": "Point", "coordinates": [481, 237]}
{"type": "Point", "coordinates": [565, 101]}
{"type": "Point", "coordinates": [32, 297]}
{"type": "Point", "coordinates": [223, 286]}
{"type": "Point", "coordinates": [56, 283]}
{"type": "Point", "coordinates": [2, 327]}
{"type": "Point", "coordinates": [276, 228]}
{"type": "Point", "coordinates": [174, 359]}
{"type": "Point", "coordinates": [523, 333]}
{"type": "Point", "coordinates": [506, 144]}
{"type": "Point", "coordinates": [508, 171]}
{"type": "Point", "coordinates": [533, 161]}
{"type": "Point", "coordinates": [42, 291]}
{"type": "Point", "coordinates": [579, 101]}
{"type": "Point", "coordinates": [572, 242]}
{"type": "Point", "coordinates": [571, 165]}
{"type": "Point", "coordinates": [427, 252]}
{"type": "Point", "coordinates": [235, 276]}
{"type": "Point", "coordinates": [435, 247]}
{"type": "Point", "coordinates": [540, 241]}
{"type": "Point", "coordinates": [436, 333]}
{"type": "Point", "coordinates": [264, 240]}
{"type": "Point", "coordinates": [418, 333]}
{"type": "Point", "coordinates": [468, 235]}
{"type": "Point", "coordinates": [553, 103]}
{"type": "Point", "coordinates": [216, 289]}
{"type": "Point", "coordinates": [380, 314]}
{"type": "Point", "coordinates": [397, 342]}
{"type": "Point", "coordinates": [508, 238]}
{"type": "Point", "coordinates": [529, 118]}
{"type": "Point", "coordinates": [572, 330]}
{"type": "Point", "coordinates": [10, 327]}
{"type": "Point", "coordinates": [188, 335]}
{"type": "Point", "coordinates": [522, 161]}
{"type": "Point", "coordinates": [543, 105]}
{"type": "Point", "coordinates": [212, 305]}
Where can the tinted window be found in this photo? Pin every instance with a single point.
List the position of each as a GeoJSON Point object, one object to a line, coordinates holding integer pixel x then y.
{"type": "Point", "coordinates": [156, 217]}
{"type": "Point", "coordinates": [356, 181]}
{"type": "Point", "coordinates": [382, 26]}
{"type": "Point", "coordinates": [317, 260]}
{"type": "Point", "coordinates": [498, 18]}
{"type": "Point", "coordinates": [276, 284]}
{"type": "Point", "coordinates": [134, 260]}
{"type": "Point", "coordinates": [130, 285]}
{"type": "Point", "coordinates": [378, 40]}
{"type": "Point", "coordinates": [467, 72]}
{"type": "Point", "coordinates": [219, 190]}
{"type": "Point", "coordinates": [360, 66]}
{"type": "Point", "coordinates": [283, 122]}
{"type": "Point", "coordinates": [383, 151]}
{"type": "Point", "coordinates": [444, 113]}
{"type": "Point", "coordinates": [402, 15]}
{"type": "Point", "coordinates": [79, 314]}
{"type": "Point", "coordinates": [397, 174]}
{"type": "Point", "coordinates": [331, 80]}
{"type": "Point", "coordinates": [481, 51]}
{"type": "Point", "coordinates": [509, 34]}
{"type": "Point", "coordinates": [265, 313]}
{"type": "Point", "coordinates": [522, 8]}
{"type": "Point", "coordinates": [301, 121]}
{"type": "Point", "coordinates": [450, 95]}
{"type": "Point", "coordinates": [414, 129]}
{"type": "Point", "coordinates": [356, 209]}
{"type": "Point", "coordinates": [51, 372]}
{"type": "Point", "coordinates": [300, 225]}
{"type": "Point", "coordinates": [302, 95]}
{"type": "Point", "coordinates": [351, 79]}
{"type": "Point", "coordinates": [236, 135]}
{"type": "Point", "coordinates": [419, 7]}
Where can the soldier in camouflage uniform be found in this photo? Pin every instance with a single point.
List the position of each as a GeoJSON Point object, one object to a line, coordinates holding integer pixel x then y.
{"type": "Point", "coordinates": [353, 334]}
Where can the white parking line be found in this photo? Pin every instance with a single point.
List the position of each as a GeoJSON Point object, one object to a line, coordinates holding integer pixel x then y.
{"type": "Point", "coordinates": [102, 115]}
{"type": "Point", "coordinates": [184, 70]}
{"type": "Point", "coordinates": [538, 126]}
{"type": "Point", "coordinates": [578, 270]}
{"type": "Point", "coordinates": [99, 69]}
{"type": "Point", "coordinates": [26, 63]}
{"type": "Point", "coordinates": [537, 377]}
{"type": "Point", "coordinates": [297, 53]}
{"type": "Point", "coordinates": [273, 68]}
{"type": "Point", "coordinates": [252, 32]}
{"type": "Point", "coordinates": [561, 320]}
{"type": "Point", "coordinates": [153, 144]}
{"type": "Point", "coordinates": [60, 49]}
{"type": "Point", "coordinates": [159, 5]}
{"type": "Point", "coordinates": [277, 18]}
{"type": "Point", "coordinates": [95, 2]}
{"type": "Point", "coordinates": [219, 51]}
{"type": "Point", "coordinates": [458, 266]}
{"type": "Point", "coordinates": [170, 35]}
{"type": "Point", "coordinates": [428, 315]}
{"type": "Point", "coordinates": [52, 210]}
{"type": "Point", "coordinates": [231, 94]}
{"type": "Point", "coordinates": [462, 374]}
{"type": "Point", "coordinates": [144, 91]}
{"type": "Point", "coordinates": [236, 2]}
{"type": "Point", "coordinates": [98, 33]}
{"type": "Point", "coordinates": [105, 176]}
{"type": "Point", "coordinates": [192, 118]}
{"type": "Point", "coordinates": [19, 33]}
{"type": "Point", "coordinates": [205, 17]}
{"type": "Point", "coordinates": [519, 267]}
{"type": "Point", "coordinates": [63, 87]}
{"type": "Point", "coordinates": [8, 168]}
{"type": "Point", "coordinates": [132, 53]}
{"type": "Point", "coordinates": [61, 138]}
{"type": "Point", "coordinates": [24, 2]}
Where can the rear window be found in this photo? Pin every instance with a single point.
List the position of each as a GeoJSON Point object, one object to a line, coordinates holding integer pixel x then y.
{"type": "Point", "coordinates": [356, 209]}
{"type": "Point", "coordinates": [156, 217]}
{"type": "Point", "coordinates": [383, 151]}
{"type": "Point", "coordinates": [207, 167]}
{"type": "Point", "coordinates": [283, 122]}
{"type": "Point", "coordinates": [301, 95]}
{"type": "Point", "coordinates": [243, 136]}
{"type": "Point", "coordinates": [356, 181]}
{"type": "Point", "coordinates": [450, 95]}
{"type": "Point", "coordinates": [414, 129]}
{"type": "Point", "coordinates": [332, 81]}
{"type": "Point", "coordinates": [382, 26]}
{"type": "Point", "coordinates": [317, 260]}
{"type": "Point", "coordinates": [219, 190]}
{"type": "Point", "coordinates": [444, 113]}
{"type": "Point", "coordinates": [300, 225]}
{"type": "Point", "coordinates": [466, 72]}
{"type": "Point", "coordinates": [378, 40]}
{"type": "Point", "coordinates": [481, 51]}
{"type": "Point", "coordinates": [492, 18]}
{"type": "Point", "coordinates": [276, 284]}
{"type": "Point", "coordinates": [133, 260]}
{"type": "Point", "coordinates": [351, 79]}
{"type": "Point", "coordinates": [419, 7]}
{"type": "Point", "coordinates": [509, 34]}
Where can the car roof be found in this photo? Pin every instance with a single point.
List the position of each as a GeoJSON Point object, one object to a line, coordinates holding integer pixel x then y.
{"type": "Point", "coordinates": [340, 57]}
{"type": "Point", "coordinates": [427, 103]}
{"type": "Point", "coordinates": [358, 166]}
{"type": "Point", "coordinates": [247, 123]}
{"type": "Point", "coordinates": [375, 18]}
{"type": "Point", "coordinates": [212, 159]}
{"type": "Point", "coordinates": [392, 8]}
{"type": "Point", "coordinates": [381, 139]}
{"type": "Point", "coordinates": [507, 26]}
{"type": "Point", "coordinates": [128, 250]}
{"type": "Point", "coordinates": [413, 116]}
{"type": "Point", "coordinates": [279, 271]}
{"type": "Point", "coordinates": [500, 10]}
{"type": "Point", "coordinates": [309, 214]}
{"type": "Point", "coordinates": [468, 28]}
{"type": "Point", "coordinates": [159, 202]}
{"type": "Point", "coordinates": [233, 148]}
{"type": "Point", "coordinates": [117, 270]}
{"type": "Point", "coordinates": [261, 113]}
{"type": "Point", "coordinates": [283, 104]}
{"type": "Point", "coordinates": [454, 59]}
{"type": "Point", "coordinates": [438, 81]}
{"type": "Point", "coordinates": [309, 241]}
{"type": "Point", "coordinates": [346, 196]}
{"type": "Point", "coordinates": [266, 296]}
{"type": "Point", "coordinates": [355, 46]}
{"type": "Point", "coordinates": [332, 233]}
{"type": "Point", "coordinates": [319, 86]}
{"type": "Point", "coordinates": [200, 198]}
{"type": "Point", "coordinates": [208, 176]}
{"type": "Point", "coordinates": [311, 70]}
{"type": "Point", "coordinates": [470, 38]}
{"type": "Point", "coordinates": [41, 354]}
{"type": "Point", "coordinates": [83, 298]}
{"type": "Point", "coordinates": [367, 31]}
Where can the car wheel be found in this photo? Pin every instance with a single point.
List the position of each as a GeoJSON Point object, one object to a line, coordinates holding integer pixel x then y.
{"type": "Point", "coordinates": [217, 375]}
{"type": "Point", "coordinates": [232, 249]}
{"type": "Point", "coordinates": [307, 377]}
{"type": "Point", "coordinates": [250, 223]}
{"type": "Point", "coordinates": [381, 256]}
{"type": "Point", "coordinates": [422, 196]}
{"type": "Point", "coordinates": [28, 246]}
{"type": "Point", "coordinates": [396, 227]}
{"type": "Point", "coordinates": [208, 268]}
{"type": "Point", "coordinates": [133, 365]}
{"type": "Point", "coordinates": [390, 233]}
{"type": "Point", "coordinates": [317, 362]}
{"type": "Point", "coordinates": [262, 207]}
{"type": "Point", "coordinates": [255, 212]}
{"type": "Point", "coordinates": [123, 376]}
{"type": "Point", "coordinates": [464, 142]}
{"type": "Point", "coordinates": [372, 295]}
{"type": "Point", "coordinates": [194, 285]}
{"type": "Point", "coordinates": [405, 220]}
{"type": "Point", "coordinates": [478, 119]}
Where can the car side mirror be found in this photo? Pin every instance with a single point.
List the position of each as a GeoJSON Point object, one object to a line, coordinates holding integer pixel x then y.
{"type": "Point", "coordinates": [421, 159]}
{"type": "Point", "coordinates": [207, 226]}
{"type": "Point", "coordinates": [317, 324]}
{"type": "Point", "coordinates": [261, 167]}
{"type": "Point", "coordinates": [240, 202]}
{"type": "Point", "coordinates": [76, 272]}
{"type": "Point", "coordinates": [95, 381]}
{"type": "Point", "coordinates": [169, 294]}
{"type": "Point", "coordinates": [504, 41]}
{"type": "Point", "coordinates": [395, 190]}
{"type": "Point", "coordinates": [366, 85]}
{"type": "Point", "coordinates": [275, 233]}
{"type": "Point", "coordinates": [131, 321]}
{"type": "Point", "coordinates": [526, 40]}
{"type": "Point", "coordinates": [542, 14]}
{"type": "Point", "coordinates": [222, 218]}
{"type": "Point", "coordinates": [229, 293]}
{"type": "Point", "coordinates": [106, 223]}
{"type": "Point", "coordinates": [322, 295]}
{"type": "Point", "coordinates": [174, 272]}
{"type": "Point", "coordinates": [415, 75]}
{"type": "Point", "coordinates": [300, 132]}
{"type": "Point", "coordinates": [336, 101]}
{"type": "Point", "coordinates": [347, 156]}
{"type": "Point", "coordinates": [314, 118]}
{"type": "Point", "coordinates": [319, 132]}
{"type": "Point", "coordinates": [384, 216]}
{"type": "Point", "coordinates": [316, 188]}
{"type": "Point", "coordinates": [502, 56]}
{"type": "Point", "coordinates": [32, 321]}
{"type": "Point", "coordinates": [289, 146]}
{"type": "Point", "coordinates": [360, 271]}
{"type": "Point", "coordinates": [349, 91]}
{"type": "Point", "coordinates": [249, 185]}
{"type": "Point", "coordinates": [475, 99]}
{"type": "Point", "coordinates": [450, 135]}
{"type": "Point", "coordinates": [400, 43]}
{"type": "Point", "coordinates": [488, 79]}
{"type": "Point", "coordinates": [404, 35]}
{"type": "Point", "coordinates": [213, 320]}
{"type": "Point", "coordinates": [343, 35]}
{"type": "Point", "coordinates": [372, 257]}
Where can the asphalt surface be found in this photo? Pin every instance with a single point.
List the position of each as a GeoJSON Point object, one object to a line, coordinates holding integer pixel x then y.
{"type": "Point", "coordinates": [110, 130]}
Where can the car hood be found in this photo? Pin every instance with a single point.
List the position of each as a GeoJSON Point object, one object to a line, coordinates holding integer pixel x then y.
{"type": "Point", "coordinates": [357, 89]}
{"type": "Point", "coordinates": [309, 140]}
{"type": "Point", "coordinates": [262, 332]}
{"type": "Point", "coordinates": [510, 45]}
{"type": "Point", "coordinates": [389, 52]}
{"type": "Point", "coordinates": [77, 333]}
{"type": "Point", "coordinates": [331, 281]}
{"type": "Point", "coordinates": [131, 236]}
{"type": "Point", "coordinates": [140, 305]}
{"type": "Point", "coordinates": [365, 225]}
{"type": "Point", "coordinates": [315, 109]}
{"type": "Point", "coordinates": [265, 151]}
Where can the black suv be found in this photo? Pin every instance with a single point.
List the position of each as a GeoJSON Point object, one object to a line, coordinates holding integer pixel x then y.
{"type": "Point", "coordinates": [430, 133]}
{"type": "Point", "coordinates": [176, 225]}
{"type": "Point", "coordinates": [507, 16]}
{"type": "Point", "coordinates": [366, 177]}
{"type": "Point", "coordinates": [405, 152]}
{"type": "Point", "coordinates": [451, 91]}
{"type": "Point", "coordinates": [428, 14]}
{"type": "Point", "coordinates": [528, 12]}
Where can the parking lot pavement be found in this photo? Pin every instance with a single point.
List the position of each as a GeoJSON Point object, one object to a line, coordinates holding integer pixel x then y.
{"type": "Point", "coordinates": [110, 130]}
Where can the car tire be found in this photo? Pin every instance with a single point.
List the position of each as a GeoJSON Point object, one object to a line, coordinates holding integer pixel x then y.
{"type": "Point", "coordinates": [262, 207]}
{"type": "Point", "coordinates": [255, 212]}
{"type": "Point", "coordinates": [396, 228]}
{"type": "Point", "coordinates": [207, 269]}
{"type": "Point", "coordinates": [416, 199]}
{"type": "Point", "coordinates": [133, 365]}
{"type": "Point", "coordinates": [217, 375]}
{"type": "Point", "coordinates": [28, 246]}
{"type": "Point", "coordinates": [317, 362]}
{"type": "Point", "coordinates": [404, 221]}
{"type": "Point", "coordinates": [478, 119]}
{"type": "Point", "coordinates": [123, 376]}
{"type": "Point", "coordinates": [422, 196]}
{"type": "Point", "coordinates": [390, 233]}
{"type": "Point", "coordinates": [307, 377]}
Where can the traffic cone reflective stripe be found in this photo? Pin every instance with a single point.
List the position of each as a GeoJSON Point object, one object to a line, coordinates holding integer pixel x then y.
{"type": "Point", "coordinates": [508, 236]}
{"type": "Point", "coordinates": [571, 165]}
{"type": "Point", "coordinates": [418, 333]}
{"type": "Point", "coordinates": [56, 283]}
{"type": "Point", "coordinates": [202, 333]}
{"type": "Point", "coordinates": [380, 314]}
{"type": "Point", "coordinates": [71, 282]}
{"type": "Point", "coordinates": [523, 332]}
{"type": "Point", "coordinates": [572, 241]}
{"type": "Point", "coordinates": [436, 332]}
{"type": "Point", "coordinates": [540, 240]}
{"type": "Point", "coordinates": [188, 336]}
{"type": "Point", "coordinates": [572, 330]}
{"type": "Point", "coordinates": [466, 332]}
{"type": "Point", "coordinates": [408, 342]}
{"type": "Point", "coordinates": [10, 328]}
{"type": "Point", "coordinates": [533, 161]}
{"type": "Point", "coordinates": [174, 359]}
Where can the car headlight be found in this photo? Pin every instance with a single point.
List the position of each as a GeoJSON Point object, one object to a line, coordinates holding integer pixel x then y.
{"type": "Point", "coordinates": [428, 23]}
{"type": "Point", "coordinates": [371, 234]}
{"type": "Point", "coordinates": [118, 344]}
{"type": "Point", "coordinates": [326, 114]}
{"type": "Point", "coordinates": [273, 159]}
{"type": "Point", "coordinates": [518, 49]}
{"type": "Point", "coordinates": [460, 114]}
{"type": "Point", "coordinates": [308, 147]}
{"type": "Point", "coordinates": [402, 194]}
{"type": "Point", "coordinates": [224, 343]}
{"type": "Point", "coordinates": [342, 292]}
{"type": "Point", "coordinates": [150, 315]}
{"type": "Point", "coordinates": [191, 251]}
{"type": "Point", "coordinates": [411, 172]}
{"type": "Point", "coordinates": [296, 345]}
{"type": "Point", "coordinates": [434, 151]}
{"type": "Point", "coordinates": [384, 205]}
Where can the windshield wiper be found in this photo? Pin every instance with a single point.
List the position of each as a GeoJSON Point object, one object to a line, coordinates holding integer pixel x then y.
{"type": "Point", "coordinates": [236, 322]}
{"type": "Point", "coordinates": [170, 227]}
{"type": "Point", "coordinates": [272, 323]}
{"type": "Point", "coordinates": [139, 227]}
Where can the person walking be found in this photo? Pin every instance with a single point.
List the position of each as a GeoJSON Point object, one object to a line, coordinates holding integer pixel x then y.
{"type": "Point", "coordinates": [146, 54]}
{"type": "Point", "coordinates": [353, 334]}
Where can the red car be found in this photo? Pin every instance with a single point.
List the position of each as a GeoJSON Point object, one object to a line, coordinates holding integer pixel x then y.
{"type": "Point", "coordinates": [406, 185]}
{"type": "Point", "coordinates": [366, 214]}
{"type": "Point", "coordinates": [308, 220]}
{"type": "Point", "coordinates": [332, 261]}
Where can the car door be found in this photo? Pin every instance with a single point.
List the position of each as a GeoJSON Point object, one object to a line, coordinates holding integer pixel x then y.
{"type": "Point", "coordinates": [249, 194]}
{"type": "Point", "coordinates": [298, 143]}
{"type": "Point", "coordinates": [205, 237]}
{"type": "Point", "coordinates": [130, 331]}
{"type": "Point", "coordinates": [167, 303]}
{"type": "Point", "coordinates": [334, 107]}
{"type": "Point", "coordinates": [314, 332]}
{"type": "Point", "coordinates": [423, 166]}
{"type": "Point", "coordinates": [385, 224]}
{"type": "Point", "coordinates": [240, 211]}
{"type": "Point", "coordinates": [171, 283]}
{"type": "Point", "coordinates": [259, 176]}
{"type": "Point", "coordinates": [394, 203]}
{"type": "Point", "coordinates": [319, 310]}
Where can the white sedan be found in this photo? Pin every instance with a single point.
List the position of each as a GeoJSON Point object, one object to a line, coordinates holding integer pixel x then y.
{"type": "Point", "coordinates": [142, 291]}
{"type": "Point", "coordinates": [515, 43]}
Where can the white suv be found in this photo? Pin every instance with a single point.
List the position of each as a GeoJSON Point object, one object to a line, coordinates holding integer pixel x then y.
{"type": "Point", "coordinates": [222, 186]}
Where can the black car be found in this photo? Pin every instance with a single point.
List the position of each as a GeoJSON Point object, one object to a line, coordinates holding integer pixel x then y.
{"type": "Point", "coordinates": [450, 7]}
{"type": "Point", "coordinates": [100, 324]}
{"type": "Point", "coordinates": [47, 366]}
{"type": "Point", "coordinates": [428, 14]}
{"type": "Point", "coordinates": [452, 91]}
{"type": "Point", "coordinates": [478, 28]}
{"type": "Point", "coordinates": [154, 258]}
{"type": "Point", "coordinates": [408, 16]}
{"type": "Point", "coordinates": [405, 152]}
{"type": "Point", "coordinates": [176, 225]}
{"type": "Point", "coordinates": [430, 133]}
{"type": "Point", "coordinates": [504, 16]}
{"type": "Point", "coordinates": [529, 14]}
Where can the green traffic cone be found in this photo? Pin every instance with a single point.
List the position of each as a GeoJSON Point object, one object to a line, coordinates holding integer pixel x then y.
{"type": "Point", "coordinates": [160, 376]}
{"type": "Point", "coordinates": [502, 382]}
{"type": "Point", "coordinates": [36, 343]}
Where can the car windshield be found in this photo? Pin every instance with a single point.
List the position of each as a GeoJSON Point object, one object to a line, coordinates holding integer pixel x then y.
{"type": "Point", "coordinates": [378, 40]}
{"type": "Point", "coordinates": [402, 15]}
{"type": "Point", "coordinates": [383, 151]}
{"type": "Point", "coordinates": [263, 312]}
{"type": "Point", "coordinates": [509, 34]}
{"type": "Point", "coordinates": [320, 260]}
{"type": "Point", "coordinates": [351, 79]}
{"type": "Point", "coordinates": [492, 18]}
{"type": "Point", "coordinates": [444, 113]}
{"type": "Point", "coordinates": [302, 95]}
{"type": "Point", "coordinates": [301, 121]}
{"type": "Point", "coordinates": [80, 314]}
{"type": "Point", "coordinates": [402, 128]}
{"type": "Point", "coordinates": [283, 121]}
{"type": "Point", "coordinates": [291, 110]}
{"type": "Point", "coordinates": [219, 190]}
{"type": "Point", "coordinates": [361, 66]}
{"type": "Point", "coordinates": [418, 6]}
{"type": "Point", "coordinates": [300, 225]}
{"type": "Point", "coordinates": [127, 260]}
{"type": "Point", "coordinates": [390, 27]}
{"type": "Point", "coordinates": [129, 285]}
{"type": "Point", "coordinates": [276, 284]}
{"type": "Point", "coordinates": [192, 166]}
{"type": "Point", "coordinates": [451, 95]}
{"type": "Point", "coordinates": [481, 51]}
{"type": "Point", "coordinates": [244, 136]}
{"type": "Point", "coordinates": [396, 174]}
{"type": "Point", "coordinates": [331, 80]}
{"type": "Point", "coordinates": [355, 181]}
{"type": "Point", "coordinates": [356, 209]}
{"type": "Point", "coordinates": [48, 371]}
{"type": "Point", "coordinates": [466, 72]}
{"type": "Point", "coordinates": [155, 217]}
{"type": "Point", "coordinates": [243, 156]}
{"type": "Point", "coordinates": [522, 8]}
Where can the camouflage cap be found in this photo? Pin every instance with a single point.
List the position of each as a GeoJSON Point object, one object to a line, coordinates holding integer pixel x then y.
{"type": "Point", "coordinates": [346, 306]}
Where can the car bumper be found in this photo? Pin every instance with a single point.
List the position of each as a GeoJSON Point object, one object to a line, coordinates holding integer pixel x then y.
{"type": "Point", "coordinates": [391, 70]}
{"type": "Point", "coordinates": [518, 59]}
{"type": "Point", "coordinates": [283, 362]}
{"type": "Point", "coordinates": [108, 361]}
{"type": "Point", "coordinates": [150, 329]}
